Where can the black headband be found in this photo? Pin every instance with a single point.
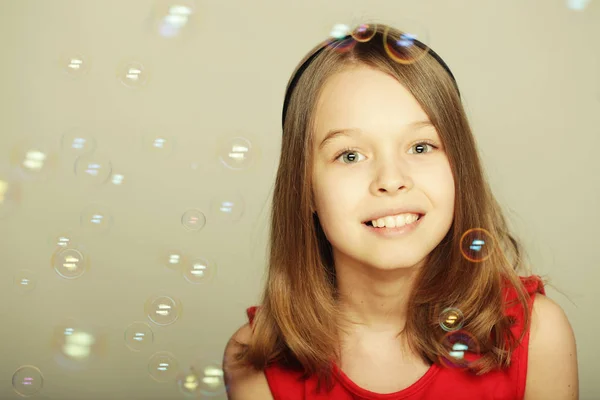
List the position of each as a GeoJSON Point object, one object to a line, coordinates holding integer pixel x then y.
{"type": "Point", "coordinates": [305, 64]}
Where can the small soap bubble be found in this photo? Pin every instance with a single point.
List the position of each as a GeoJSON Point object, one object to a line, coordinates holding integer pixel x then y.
{"type": "Point", "coordinates": [25, 281]}
{"type": "Point", "coordinates": [64, 240]}
{"type": "Point", "coordinates": [364, 32]}
{"type": "Point", "coordinates": [451, 319]}
{"type": "Point", "coordinates": [139, 336]}
{"type": "Point", "coordinates": [203, 379]}
{"type": "Point", "coordinates": [133, 74]}
{"type": "Point", "coordinates": [462, 348]}
{"type": "Point", "coordinates": [199, 270]}
{"type": "Point", "coordinates": [10, 194]}
{"type": "Point", "coordinates": [339, 31]}
{"type": "Point", "coordinates": [96, 219]}
{"type": "Point", "coordinates": [76, 344]}
{"type": "Point", "coordinates": [578, 5]}
{"type": "Point", "coordinates": [173, 260]}
{"type": "Point", "coordinates": [402, 47]}
{"type": "Point", "coordinates": [193, 220]}
{"type": "Point", "coordinates": [33, 159]}
{"type": "Point", "coordinates": [173, 18]}
{"type": "Point", "coordinates": [93, 169]}
{"type": "Point", "coordinates": [69, 263]}
{"type": "Point", "coordinates": [236, 153]}
{"type": "Point", "coordinates": [477, 245]}
{"type": "Point", "coordinates": [78, 141]}
{"type": "Point", "coordinates": [227, 206]}
{"type": "Point", "coordinates": [27, 380]}
{"type": "Point", "coordinates": [75, 65]}
{"type": "Point", "coordinates": [163, 367]}
{"type": "Point", "coordinates": [189, 384]}
{"type": "Point", "coordinates": [162, 309]}
{"type": "Point", "coordinates": [118, 179]}
{"type": "Point", "coordinates": [157, 145]}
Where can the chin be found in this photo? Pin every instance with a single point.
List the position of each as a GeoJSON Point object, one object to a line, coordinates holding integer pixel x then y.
{"type": "Point", "coordinates": [395, 263]}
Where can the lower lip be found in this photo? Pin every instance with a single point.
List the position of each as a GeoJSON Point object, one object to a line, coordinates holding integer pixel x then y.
{"type": "Point", "coordinates": [395, 232]}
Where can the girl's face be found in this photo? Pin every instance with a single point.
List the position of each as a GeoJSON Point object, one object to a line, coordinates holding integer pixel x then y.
{"type": "Point", "coordinates": [388, 167]}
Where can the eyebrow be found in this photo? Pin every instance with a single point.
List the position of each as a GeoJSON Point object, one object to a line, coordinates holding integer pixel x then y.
{"type": "Point", "coordinates": [334, 133]}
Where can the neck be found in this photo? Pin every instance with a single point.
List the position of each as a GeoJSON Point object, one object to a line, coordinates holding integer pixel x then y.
{"type": "Point", "coordinates": [375, 300]}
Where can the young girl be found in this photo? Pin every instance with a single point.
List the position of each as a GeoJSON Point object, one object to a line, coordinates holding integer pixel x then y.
{"type": "Point", "coordinates": [392, 272]}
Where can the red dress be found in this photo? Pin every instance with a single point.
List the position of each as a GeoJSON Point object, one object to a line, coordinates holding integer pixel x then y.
{"type": "Point", "coordinates": [438, 383]}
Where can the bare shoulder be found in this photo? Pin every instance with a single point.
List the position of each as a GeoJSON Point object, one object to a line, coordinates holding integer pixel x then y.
{"type": "Point", "coordinates": [243, 383]}
{"type": "Point", "coordinates": [552, 370]}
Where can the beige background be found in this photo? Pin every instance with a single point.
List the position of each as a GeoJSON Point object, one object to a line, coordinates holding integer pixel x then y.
{"type": "Point", "coordinates": [528, 72]}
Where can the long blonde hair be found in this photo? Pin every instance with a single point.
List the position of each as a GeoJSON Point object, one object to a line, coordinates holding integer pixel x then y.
{"type": "Point", "coordinates": [298, 323]}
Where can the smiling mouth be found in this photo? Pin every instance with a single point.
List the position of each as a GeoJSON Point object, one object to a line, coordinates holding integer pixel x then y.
{"type": "Point", "coordinates": [370, 223]}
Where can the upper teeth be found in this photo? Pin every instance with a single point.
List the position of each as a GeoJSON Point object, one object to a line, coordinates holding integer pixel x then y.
{"type": "Point", "coordinates": [394, 221]}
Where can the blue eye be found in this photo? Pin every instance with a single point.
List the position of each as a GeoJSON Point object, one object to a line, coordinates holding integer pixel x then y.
{"type": "Point", "coordinates": [349, 152]}
{"type": "Point", "coordinates": [353, 155]}
{"type": "Point", "coordinates": [422, 145]}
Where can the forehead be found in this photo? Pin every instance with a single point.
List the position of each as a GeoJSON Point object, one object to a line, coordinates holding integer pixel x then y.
{"type": "Point", "coordinates": [365, 98]}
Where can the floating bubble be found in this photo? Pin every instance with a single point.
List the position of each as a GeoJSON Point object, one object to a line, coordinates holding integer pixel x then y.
{"type": "Point", "coordinates": [75, 65]}
{"type": "Point", "coordinates": [451, 319]}
{"type": "Point", "coordinates": [193, 220]}
{"type": "Point", "coordinates": [139, 336]}
{"type": "Point", "coordinates": [462, 349]}
{"type": "Point", "coordinates": [578, 5]}
{"type": "Point", "coordinates": [69, 263]}
{"type": "Point", "coordinates": [25, 281]}
{"type": "Point", "coordinates": [158, 145]}
{"type": "Point", "coordinates": [78, 141]}
{"type": "Point", "coordinates": [171, 19]}
{"type": "Point", "coordinates": [162, 309]}
{"type": "Point", "coordinates": [199, 270]}
{"type": "Point", "coordinates": [118, 179]}
{"type": "Point", "coordinates": [64, 240]}
{"type": "Point", "coordinates": [404, 47]}
{"type": "Point", "coordinates": [173, 259]}
{"type": "Point", "coordinates": [163, 366]}
{"type": "Point", "coordinates": [27, 380]}
{"type": "Point", "coordinates": [93, 169]}
{"type": "Point", "coordinates": [204, 378]}
{"type": "Point", "coordinates": [10, 194]}
{"type": "Point", "coordinates": [339, 31]}
{"type": "Point", "coordinates": [96, 219]}
{"type": "Point", "coordinates": [33, 160]}
{"type": "Point", "coordinates": [364, 32]}
{"type": "Point", "coordinates": [133, 74]}
{"type": "Point", "coordinates": [477, 245]}
{"type": "Point", "coordinates": [77, 344]}
{"type": "Point", "coordinates": [236, 153]}
{"type": "Point", "coordinates": [227, 206]}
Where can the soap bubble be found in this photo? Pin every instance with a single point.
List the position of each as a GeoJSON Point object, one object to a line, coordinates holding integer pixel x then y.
{"type": "Point", "coordinates": [93, 169]}
{"type": "Point", "coordinates": [75, 65]}
{"type": "Point", "coordinates": [199, 270]}
{"type": "Point", "coordinates": [77, 344]}
{"type": "Point", "coordinates": [477, 245]}
{"type": "Point", "coordinates": [133, 74]}
{"type": "Point", "coordinates": [193, 220]}
{"type": "Point", "coordinates": [27, 380]}
{"type": "Point", "coordinates": [25, 281]}
{"type": "Point", "coordinates": [69, 263]}
{"type": "Point", "coordinates": [162, 309]}
{"type": "Point", "coordinates": [227, 205]}
{"type": "Point", "coordinates": [139, 336]}
{"type": "Point", "coordinates": [451, 319]}
{"type": "Point", "coordinates": [163, 366]}
{"type": "Point", "coordinates": [236, 153]}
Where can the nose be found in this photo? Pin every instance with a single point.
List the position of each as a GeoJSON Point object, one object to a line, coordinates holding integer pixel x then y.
{"type": "Point", "coordinates": [391, 177]}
